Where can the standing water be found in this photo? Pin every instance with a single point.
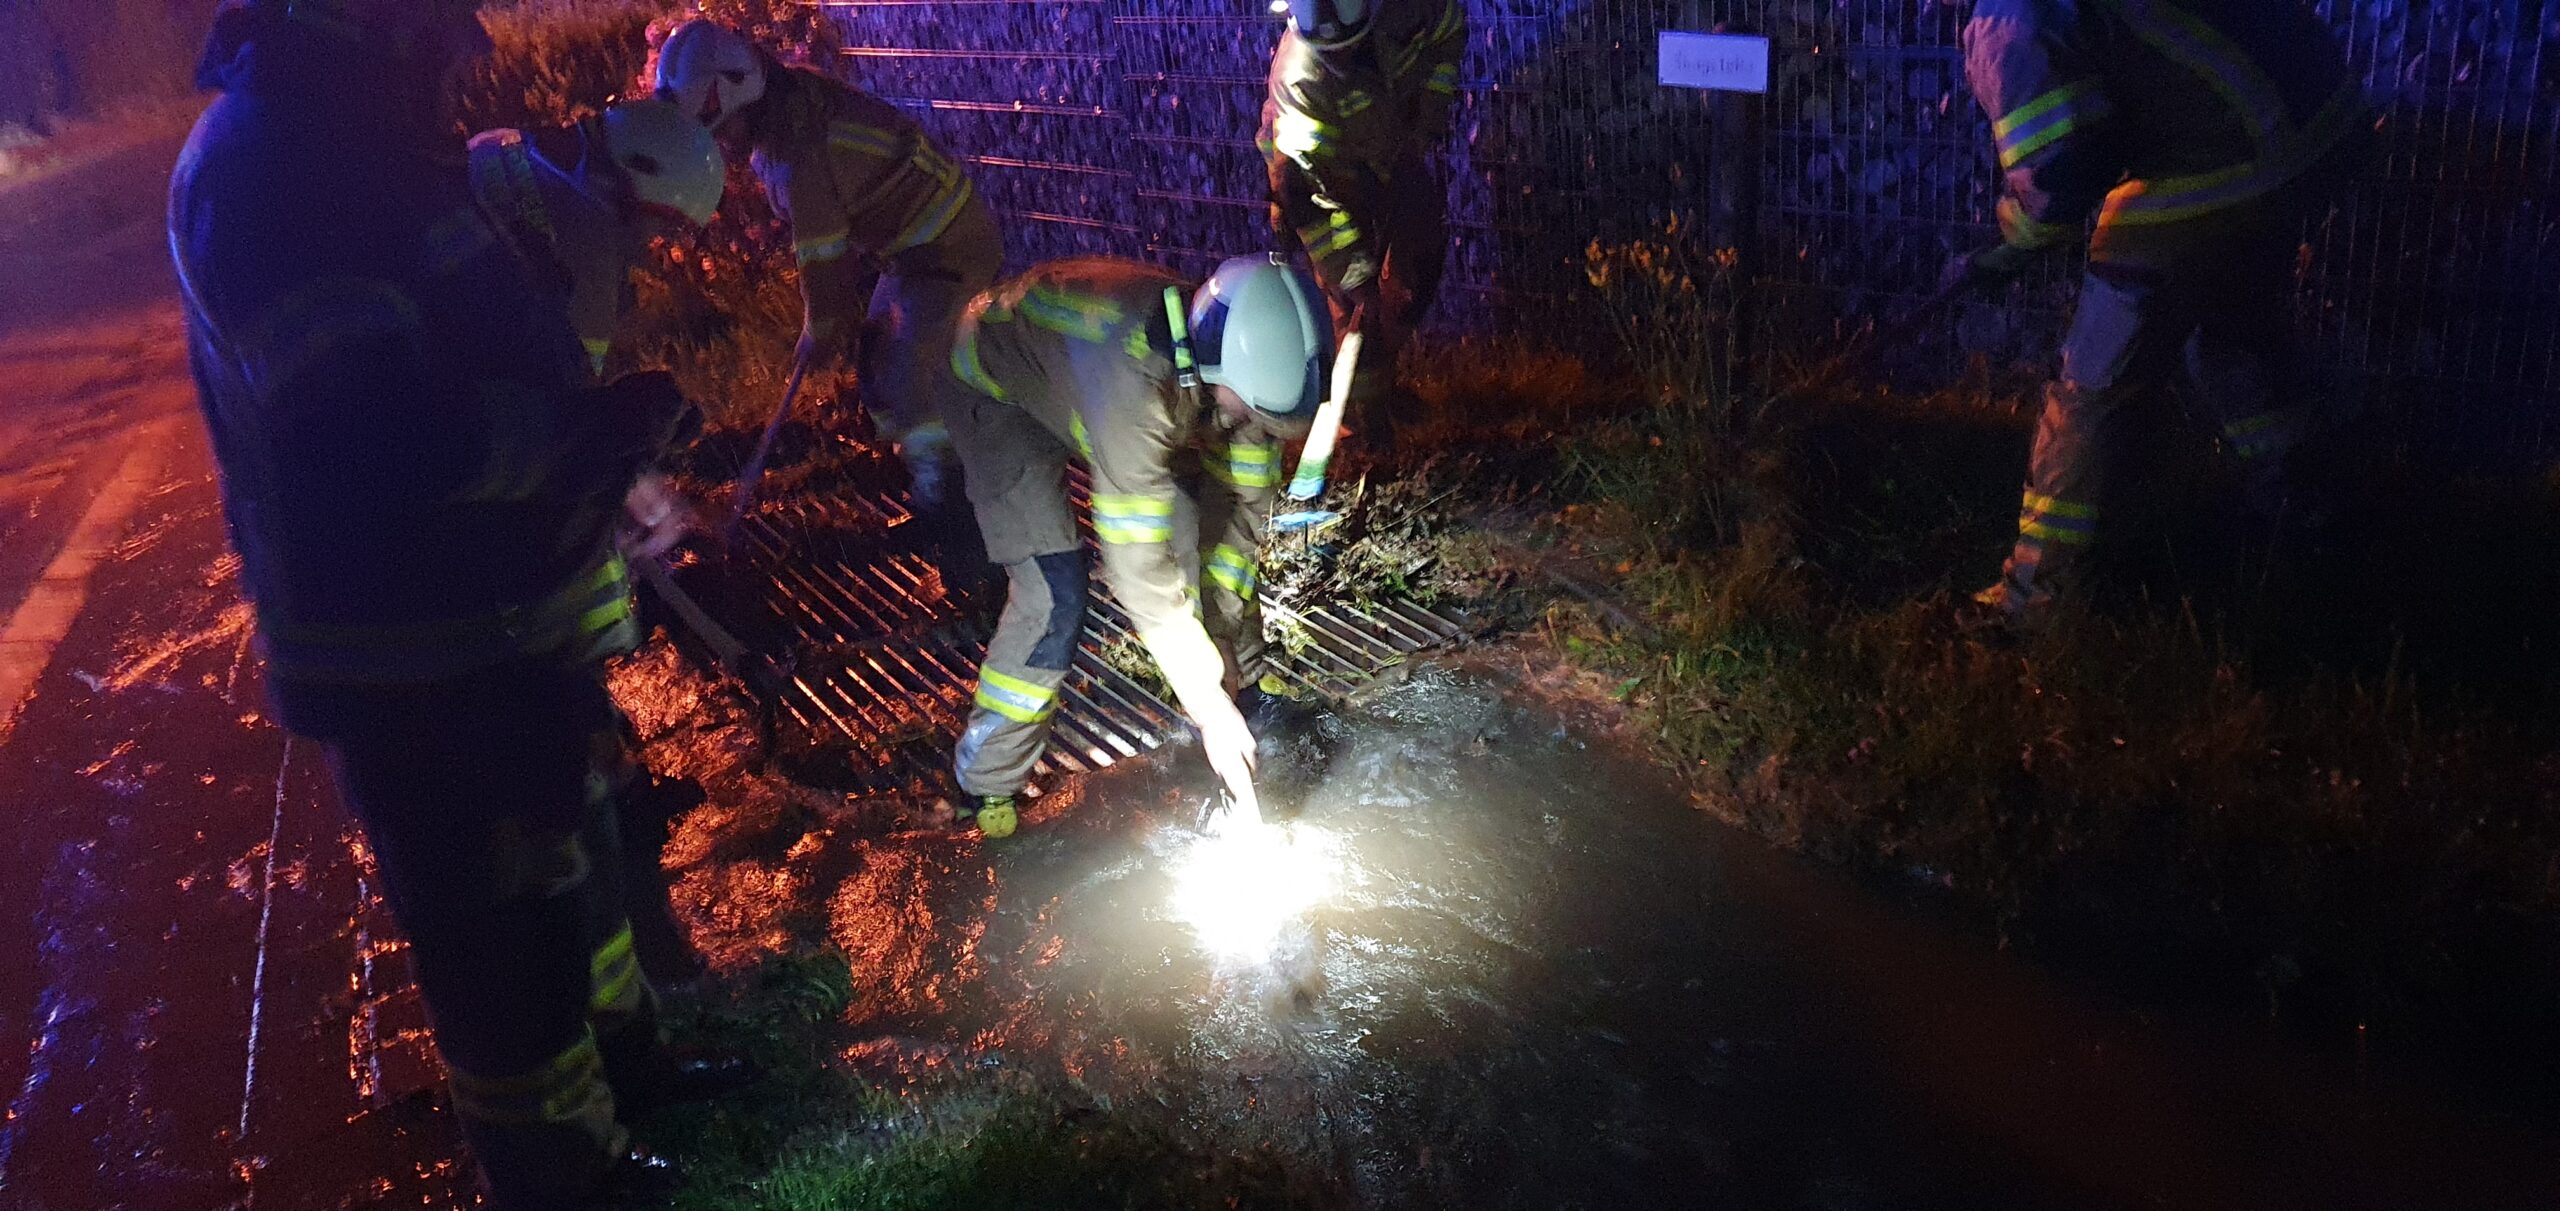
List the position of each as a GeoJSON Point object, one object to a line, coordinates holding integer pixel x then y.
{"type": "Point", "coordinates": [1527, 973]}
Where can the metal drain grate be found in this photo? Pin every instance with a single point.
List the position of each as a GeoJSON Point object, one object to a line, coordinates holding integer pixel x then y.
{"type": "Point", "coordinates": [877, 656]}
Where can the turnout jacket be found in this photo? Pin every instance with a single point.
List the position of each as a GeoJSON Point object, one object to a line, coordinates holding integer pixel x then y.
{"type": "Point", "coordinates": [2152, 112]}
{"type": "Point", "coordinates": [416, 492]}
{"type": "Point", "coordinates": [860, 184]}
{"type": "Point", "coordinates": [1086, 348]}
{"type": "Point", "coordinates": [1348, 118]}
{"type": "Point", "coordinates": [574, 242]}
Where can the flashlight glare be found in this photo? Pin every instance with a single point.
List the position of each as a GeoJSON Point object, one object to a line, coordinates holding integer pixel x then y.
{"type": "Point", "coordinates": [1239, 887]}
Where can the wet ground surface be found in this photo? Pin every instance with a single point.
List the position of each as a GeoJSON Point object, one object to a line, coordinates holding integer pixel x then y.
{"type": "Point", "coordinates": [1539, 979]}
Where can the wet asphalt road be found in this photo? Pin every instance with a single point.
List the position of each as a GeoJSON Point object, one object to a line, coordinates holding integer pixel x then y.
{"type": "Point", "coordinates": [201, 1004]}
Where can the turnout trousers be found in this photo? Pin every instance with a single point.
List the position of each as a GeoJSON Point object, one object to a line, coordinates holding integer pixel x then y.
{"type": "Point", "coordinates": [1413, 236]}
{"type": "Point", "coordinates": [494, 831]}
{"type": "Point", "coordinates": [904, 369]}
{"type": "Point", "coordinates": [2203, 299]}
{"type": "Point", "coordinates": [1016, 478]}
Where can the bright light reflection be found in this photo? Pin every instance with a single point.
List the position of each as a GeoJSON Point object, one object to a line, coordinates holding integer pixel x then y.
{"type": "Point", "coordinates": [1242, 884]}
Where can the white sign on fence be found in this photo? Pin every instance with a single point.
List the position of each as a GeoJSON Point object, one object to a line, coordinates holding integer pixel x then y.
{"type": "Point", "coordinates": [1728, 62]}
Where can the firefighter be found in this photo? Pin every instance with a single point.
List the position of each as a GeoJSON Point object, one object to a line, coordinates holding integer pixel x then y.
{"type": "Point", "coordinates": [863, 189]}
{"type": "Point", "coordinates": [580, 203]}
{"type": "Point", "coordinates": [1357, 98]}
{"type": "Point", "coordinates": [1177, 396]}
{"type": "Point", "coordinates": [425, 494]}
{"type": "Point", "coordinates": [2202, 138]}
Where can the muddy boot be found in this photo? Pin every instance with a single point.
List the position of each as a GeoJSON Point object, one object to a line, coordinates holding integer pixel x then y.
{"type": "Point", "coordinates": [994, 816]}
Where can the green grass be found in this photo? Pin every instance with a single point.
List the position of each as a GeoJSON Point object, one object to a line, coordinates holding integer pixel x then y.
{"type": "Point", "coordinates": [2311, 780]}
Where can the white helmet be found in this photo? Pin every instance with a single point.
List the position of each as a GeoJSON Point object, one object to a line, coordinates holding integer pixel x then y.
{"type": "Point", "coordinates": [1260, 329]}
{"type": "Point", "coordinates": [671, 160]}
{"type": "Point", "coordinates": [710, 71]}
{"type": "Point", "coordinates": [1328, 24]}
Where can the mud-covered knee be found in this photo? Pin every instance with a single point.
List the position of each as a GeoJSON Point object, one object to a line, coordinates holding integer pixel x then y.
{"type": "Point", "coordinates": [1065, 574]}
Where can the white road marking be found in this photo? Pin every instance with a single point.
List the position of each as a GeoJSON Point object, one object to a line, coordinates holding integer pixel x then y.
{"type": "Point", "coordinates": [266, 914]}
{"type": "Point", "coordinates": [40, 622]}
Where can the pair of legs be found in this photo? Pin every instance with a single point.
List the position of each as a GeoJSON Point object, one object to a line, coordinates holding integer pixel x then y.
{"type": "Point", "coordinates": [495, 833]}
{"type": "Point", "coordinates": [905, 364]}
{"type": "Point", "coordinates": [1017, 482]}
{"type": "Point", "coordinates": [2205, 300]}
{"type": "Point", "coordinates": [1413, 238]}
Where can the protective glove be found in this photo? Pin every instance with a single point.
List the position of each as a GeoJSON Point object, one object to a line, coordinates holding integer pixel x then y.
{"type": "Point", "coordinates": [1989, 267]}
{"type": "Point", "coordinates": [1229, 744]}
{"type": "Point", "coordinates": [926, 450]}
{"type": "Point", "coordinates": [654, 518]}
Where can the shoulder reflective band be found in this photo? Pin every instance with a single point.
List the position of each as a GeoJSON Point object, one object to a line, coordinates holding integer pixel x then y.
{"type": "Point", "coordinates": [1308, 483]}
{"type": "Point", "coordinates": [1186, 369]}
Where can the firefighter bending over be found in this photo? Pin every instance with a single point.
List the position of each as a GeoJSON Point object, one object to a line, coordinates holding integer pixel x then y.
{"type": "Point", "coordinates": [581, 202]}
{"type": "Point", "coordinates": [1177, 396]}
{"type": "Point", "coordinates": [425, 494]}
{"type": "Point", "coordinates": [1360, 91]}
{"type": "Point", "coordinates": [862, 188]}
{"type": "Point", "coordinates": [2202, 138]}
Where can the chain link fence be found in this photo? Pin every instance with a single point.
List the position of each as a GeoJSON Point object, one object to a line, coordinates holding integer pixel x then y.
{"type": "Point", "coordinates": [2432, 290]}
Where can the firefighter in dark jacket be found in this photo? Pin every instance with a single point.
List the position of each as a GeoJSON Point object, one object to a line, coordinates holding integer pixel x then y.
{"type": "Point", "coordinates": [2201, 138]}
{"type": "Point", "coordinates": [426, 495]}
{"type": "Point", "coordinates": [1360, 90]}
{"type": "Point", "coordinates": [580, 203]}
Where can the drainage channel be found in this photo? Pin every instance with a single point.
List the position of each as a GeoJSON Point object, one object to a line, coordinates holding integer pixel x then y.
{"type": "Point", "coordinates": [871, 657]}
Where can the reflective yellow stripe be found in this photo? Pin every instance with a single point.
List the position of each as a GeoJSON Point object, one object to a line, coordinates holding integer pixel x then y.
{"type": "Point", "coordinates": [1231, 569]}
{"type": "Point", "coordinates": [2058, 507]}
{"type": "Point", "coordinates": [1333, 235]}
{"type": "Point", "coordinates": [819, 249]}
{"type": "Point", "coordinates": [1299, 135]}
{"type": "Point", "coordinates": [1015, 698]}
{"type": "Point", "coordinates": [1119, 518]}
{"type": "Point", "coordinates": [615, 975]}
{"type": "Point", "coordinates": [1078, 317]}
{"type": "Point", "coordinates": [1084, 440]}
{"type": "Point", "coordinates": [598, 349]}
{"type": "Point", "coordinates": [2171, 199]}
{"type": "Point", "coordinates": [567, 1088]}
{"type": "Point", "coordinates": [2036, 124]}
{"type": "Point", "coordinates": [1248, 466]}
{"type": "Point", "coordinates": [2053, 533]}
{"type": "Point", "coordinates": [935, 220]}
{"type": "Point", "coordinates": [866, 140]}
{"type": "Point", "coordinates": [2020, 228]}
{"type": "Point", "coordinates": [965, 364]}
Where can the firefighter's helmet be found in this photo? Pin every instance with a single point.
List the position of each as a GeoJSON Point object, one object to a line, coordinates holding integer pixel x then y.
{"type": "Point", "coordinates": [671, 161]}
{"type": "Point", "coordinates": [710, 71]}
{"type": "Point", "coordinates": [1259, 328]}
{"type": "Point", "coordinates": [1326, 24]}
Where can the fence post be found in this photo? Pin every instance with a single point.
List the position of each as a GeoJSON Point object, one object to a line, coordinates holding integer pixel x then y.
{"type": "Point", "coordinates": [1735, 158]}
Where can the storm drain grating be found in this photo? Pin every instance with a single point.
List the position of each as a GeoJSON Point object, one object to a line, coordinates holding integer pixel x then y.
{"type": "Point", "coordinates": [874, 656]}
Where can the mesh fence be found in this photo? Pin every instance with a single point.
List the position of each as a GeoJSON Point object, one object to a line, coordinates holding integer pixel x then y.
{"type": "Point", "coordinates": [2432, 290]}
